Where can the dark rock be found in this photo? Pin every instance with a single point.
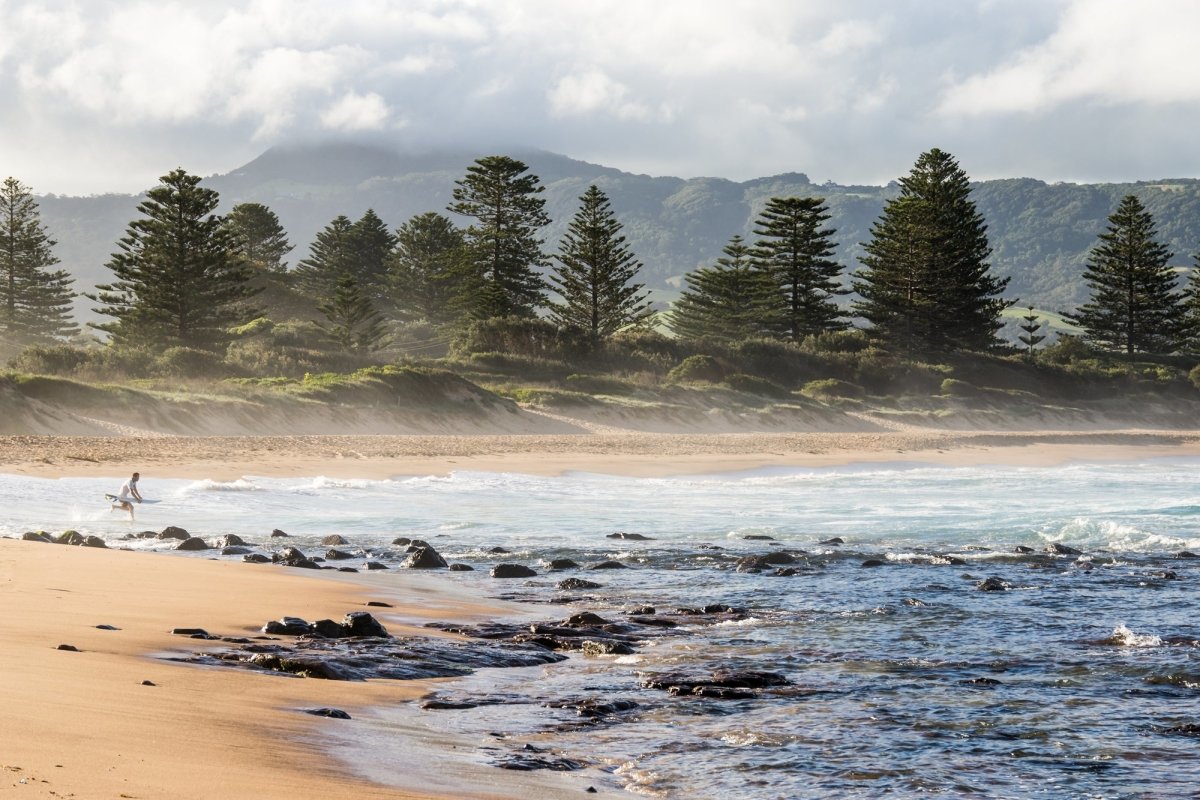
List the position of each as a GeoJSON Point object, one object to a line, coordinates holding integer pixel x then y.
{"type": "Point", "coordinates": [954, 560]}
{"type": "Point", "coordinates": [1023, 549]}
{"type": "Point", "coordinates": [583, 618]}
{"type": "Point", "coordinates": [785, 572]}
{"type": "Point", "coordinates": [1167, 575]}
{"type": "Point", "coordinates": [655, 622]}
{"type": "Point", "coordinates": [346, 569]}
{"type": "Point", "coordinates": [256, 558]}
{"type": "Point", "coordinates": [190, 632]}
{"type": "Point", "coordinates": [145, 535]}
{"type": "Point", "coordinates": [287, 626]}
{"type": "Point", "coordinates": [337, 555]}
{"type": "Point", "coordinates": [93, 541]}
{"type": "Point", "coordinates": [370, 565]}
{"type": "Point", "coordinates": [563, 563]}
{"type": "Point", "coordinates": [993, 584]}
{"type": "Point", "coordinates": [229, 540]}
{"type": "Point", "coordinates": [836, 540]}
{"type": "Point", "coordinates": [30, 536]}
{"type": "Point", "coordinates": [720, 679]}
{"type": "Point", "coordinates": [378, 604]}
{"type": "Point", "coordinates": [292, 557]}
{"type": "Point", "coordinates": [424, 558]}
{"type": "Point", "coordinates": [402, 541]}
{"type": "Point", "coordinates": [636, 537]}
{"type": "Point", "coordinates": [107, 628]}
{"type": "Point", "coordinates": [759, 537]}
{"type": "Point", "coordinates": [912, 601]}
{"type": "Point", "coordinates": [714, 692]}
{"type": "Point", "coordinates": [605, 648]}
{"type": "Point", "coordinates": [334, 539]}
{"type": "Point", "coordinates": [194, 543]}
{"type": "Point", "coordinates": [1187, 729]}
{"type": "Point", "coordinates": [68, 647]}
{"type": "Point", "coordinates": [873, 562]}
{"type": "Point", "coordinates": [1186, 554]}
{"type": "Point", "coordinates": [278, 534]}
{"type": "Point", "coordinates": [709, 547]}
{"type": "Point", "coordinates": [361, 623]}
{"type": "Point", "coordinates": [642, 611]}
{"type": "Point", "coordinates": [595, 709]}
{"type": "Point", "coordinates": [71, 538]}
{"type": "Point", "coordinates": [149, 683]}
{"type": "Point", "coordinates": [591, 790]}
{"type": "Point", "coordinates": [777, 558]}
{"type": "Point", "coordinates": [332, 713]}
{"type": "Point", "coordinates": [419, 543]}
{"type": "Point", "coordinates": [980, 682]}
{"type": "Point", "coordinates": [329, 629]}
{"type": "Point", "coordinates": [173, 532]}
{"type": "Point", "coordinates": [574, 584]}
{"type": "Point", "coordinates": [498, 550]}
{"type": "Point", "coordinates": [1062, 549]}
{"type": "Point", "coordinates": [608, 565]}
{"type": "Point", "coordinates": [447, 705]}
{"type": "Point", "coordinates": [461, 568]}
{"type": "Point", "coordinates": [512, 571]}
{"type": "Point", "coordinates": [529, 763]}
{"type": "Point", "coordinates": [235, 550]}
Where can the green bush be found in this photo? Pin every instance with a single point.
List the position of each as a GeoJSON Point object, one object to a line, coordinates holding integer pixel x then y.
{"type": "Point", "coordinates": [58, 359]}
{"type": "Point", "coordinates": [1067, 350]}
{"type": "Point", "coordinates": [190, 362]}
{"type": "Point", "coordinates": [518, 366]}
{"type": "Point", "coordinates": [851, 341]}
{"type": "Point", "coordinates": [264, 359]}
{"type": "Point", "coordinates": [700, 368]}
{"type": "Point", "coordinates": [597, 384]}
{"type": "Point", "coordinates": [833, 388]}
{"type": "Point", "coordinates": [952, 387]}
{"type": "Point", "coordinates": [258, 326]}
{"type": "Point", "coordinates": [518, 336]}
{"type": "Point", "coordinates": [1194, 376]}
{"type": "Point", "coordinates": [752, 384]}
{"type": "Point", "coordinates": [781, 362]}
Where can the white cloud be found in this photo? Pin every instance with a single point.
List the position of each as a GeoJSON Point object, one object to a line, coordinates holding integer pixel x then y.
{"type": "Point", "coordinates": [356, 112]}
{"type": "Point", "coordinates": [590, 91]}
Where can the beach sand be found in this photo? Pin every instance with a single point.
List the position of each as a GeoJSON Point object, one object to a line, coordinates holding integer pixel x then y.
{"type": "Point", "coordinates": [81, 724]}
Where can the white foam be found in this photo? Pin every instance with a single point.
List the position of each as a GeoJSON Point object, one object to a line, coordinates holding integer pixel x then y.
{"type": "Point", "coordinates": [1124, 637]}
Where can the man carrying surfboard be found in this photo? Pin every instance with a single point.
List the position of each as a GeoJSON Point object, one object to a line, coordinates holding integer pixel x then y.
{"type": "Point", "coordinates": [129, 491]}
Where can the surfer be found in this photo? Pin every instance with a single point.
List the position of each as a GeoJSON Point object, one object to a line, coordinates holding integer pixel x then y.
{"type": "Point", "coordinates": [129, 492]}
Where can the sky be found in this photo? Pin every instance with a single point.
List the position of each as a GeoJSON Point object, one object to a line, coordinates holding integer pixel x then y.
{"type": "Point", "coordinates": [106, 95]}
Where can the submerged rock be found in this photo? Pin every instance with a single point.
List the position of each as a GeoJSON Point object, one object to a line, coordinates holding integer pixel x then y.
{"type": "Point", "coordinates": [608, 565]}
{"type": "Point", "coordinates": [192, 543]}
{"type": "Point", "coordinates": [331, 713]}
{"type": "Point", "coordinates": [278, 534]}
{"type": "Point", "coordinates": [174, 532]}
{"type": "Point", "coordinates": [833, 542]}
{"type": "Point", "coordinates": [424, 558]}
{"type": "Point", "coordinates": [563, 563]}
{"type": "Point", "coordinates": [256, 558]}
{"type": "Point", "coordinates": [636, 537]}
{"type": "Point", "coordinates": [574, 584]}
{"type": "Point", "coordinates": [334, 539]}
{"type": "Point", "coordinates": [229, 540]}
{"type": "Point", "coordinates": [337, 555]}
{"type": "Point", "coordinates": [512, 571]}
{"type": "Point", "coordinates": [235, 551]}
{"type": "Point", "coordinates": [1063, 550]}
{"type": "Point", "coordinates": [993, 584]}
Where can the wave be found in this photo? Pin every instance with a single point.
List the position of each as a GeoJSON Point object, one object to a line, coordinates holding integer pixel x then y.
{"type": "Point", "coordinates": [240, 485]}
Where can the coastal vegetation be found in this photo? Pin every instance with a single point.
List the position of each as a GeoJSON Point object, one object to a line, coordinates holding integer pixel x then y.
{"type": "Point", "coordinates": [208, 302]}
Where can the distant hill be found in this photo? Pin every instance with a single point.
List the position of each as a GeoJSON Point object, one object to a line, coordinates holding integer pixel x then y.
{"type": "Point", "coordinates": [1040, 232]}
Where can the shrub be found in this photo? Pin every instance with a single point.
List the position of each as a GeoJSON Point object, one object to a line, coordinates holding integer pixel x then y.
{"type": "Point", "coordinates": [57, 359]}
{"type": "Point", "coordinates": [952, 387]}
{"type": "Point", "coordinates": [190, 362]}
{"type": "Point", "coordinates": [752, 384]}
{"type": "Point", "coordinates": [520, 366]}
{"type": "Point", "coordinates": [781, 362]}
{"type": "Point", "coordinates": [833, 388]}
{"type": "Point", "coordinates": [263, 359]}
{"type": "Point", "coordinates": [1067, 350]}
{"type": "Point", "coordinates": [699, 368]}
{"type": "Point", "coordinates": [597, 384]}
{"type": "Point", "coordinates": [1194, 376]}
{"type": "Point", "coordinates": [255, 327]}
{"type": "Point", "coordinates": [521, 336]}
{"type": "Point", "coordinates": [851, 341]}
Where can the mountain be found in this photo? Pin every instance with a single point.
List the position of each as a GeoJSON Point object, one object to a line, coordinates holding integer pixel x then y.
{"type": "Point", "coordinates": [1040, 233]}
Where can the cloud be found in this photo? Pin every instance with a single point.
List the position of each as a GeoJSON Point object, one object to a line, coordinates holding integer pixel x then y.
{"type": "Point", "coordinates": [590, 91]}
{"type": "Point", "coordinates": [356, 112]}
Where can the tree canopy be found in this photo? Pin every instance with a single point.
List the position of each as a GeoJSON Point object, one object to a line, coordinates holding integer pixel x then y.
{"type": "Point", "coordinates": [35, 298]}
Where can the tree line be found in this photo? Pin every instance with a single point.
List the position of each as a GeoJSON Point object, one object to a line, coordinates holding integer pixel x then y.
{"type": "Point", "coordinates": [184, 276]}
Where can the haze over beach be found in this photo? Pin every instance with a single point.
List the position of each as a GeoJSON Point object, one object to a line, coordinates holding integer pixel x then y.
{"type": "Point", "coordinates": [537, 400]}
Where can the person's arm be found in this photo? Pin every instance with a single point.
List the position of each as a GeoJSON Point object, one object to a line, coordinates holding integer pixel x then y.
{"type": "Point", "coordinates": [136, 494]}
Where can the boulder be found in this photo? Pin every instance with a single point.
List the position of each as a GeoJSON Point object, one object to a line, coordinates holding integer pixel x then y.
{"type": "Point", "coordinates": [40, 536]}
{"type": "Point", "coordinates": [287, 626]}
{"type": "Point", "coordinates": [70, 537]}
{"type": "Point", "coordinates": [1062, 550]}
{"type": "Point", "coordinates": [332, 713]}
{"type": "Point", "coordinates": [234, 551]}
{"type": "Point", "coordinates": [361, 623]}
{"type": "Point", "coordinates": [375, 565]}
{"type": "Point", "coordinates": [777, 558]}
{"type": "Point", "coordinates": [759, 537]}
{"type": "Point", "coordinates": [498, 550]}
{"type": "Point", "coordinates": [993, 584]}
{"type": "Point", "coordinates": [402, 541]}
{"type": "Point", "coordinates": [68, 647]}
{"type": "Point", "coordinates": [636, 537]}
{"type": "Point", "coordinates": [605, 648]}
{"type": "Point", "coordinates": [256, 558]}
{"type": "Point", "coordinates": [583, 619]}
{"type": "Point", "coordinates": [608, 565]}
{"type": "Point", "coordinates": [873, 562]}
{"type": "Point", "coordinates": [461, 568]}
{"type": "Point", "coordinates": [512, 571]}
{"type": "Point", "coordinates": [93, 541]}
{"type": "Point", "coordinates": [337, 555]}
{"type": "Point", "coordinates": [329, 629]}
{"type": "Point", "coordinates": [563, 563]}
{"type": "Point", "coordinates": [1022, 549]}
{"type": "Point", "coordinates": [833, 542]}
{"type": "Point", "coordinates": [229, 540]}
{"type": "Point", "coordinates": [275, 534]}
{"type": "Point", "coordinates": [334, 539]}
{"type": "Point", "coordinates": [424, 558]}
{"type": "Point", "coordinates": [193, 543]}
{"type": "Point", "coordinates": [174, 532]}
{"type": "Point", "coordinates": [574, 584]}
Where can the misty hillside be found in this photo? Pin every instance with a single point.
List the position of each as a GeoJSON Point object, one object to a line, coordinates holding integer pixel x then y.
{"type": "Point", "coordinates": [1040, 233]}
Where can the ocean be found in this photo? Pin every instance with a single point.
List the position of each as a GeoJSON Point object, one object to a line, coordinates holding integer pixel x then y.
{"type": "Point", "coordinates": [1079, 677]}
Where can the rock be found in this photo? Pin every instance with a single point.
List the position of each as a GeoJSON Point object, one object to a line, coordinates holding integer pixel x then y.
{"type": "Point", "coordinates": [229, 540]}
{"type": "Point", "coordinates": [714, 692]}
{"type": "Point", "coordinates": [993, 584]}
{"type": "Point", "coordinates": [234, 551]}
{"type": "Point", "coordinates": [345, 569]}
{"type": "Point", "coordinates": [424, 558]}
{"type": "Point", "coordinates": [572, 584]}
{"type": "Point", "coordinates": [1062, 549]}
{"type": "Point", "coordinates": [954, 560]}
{"type": "Point", "coordinates": [68, 647]}
{"type": "Point", "coordinates": [278, 534]}
{"type": "Point", "coordinates": [375, 565]}
{"type": "Point", "coordinates": [721, 678]}
{"type": "Point", "coordinates": [512, 571]}
{"type": "Point", "coordinates": [107, 628]}
{"type": "Point", "coordinates": [778, 558]}
{"type": "Point", "coordinates": [1023, 549]}
{"type": "Point", "coordinates": [329, 629]}
{"type": "Point", "coordinates": [785, 572]}
{"type": "Point", "coordinates": [256, 558]}
{"type": "Point", "coordinates": [173, 532]}
{"type": "Point", "coordinates": [361, 623]}
{"type": "Point", "coordinates": [190, 632]}
{"type": "Point", "coordinates": [378, 604]}
{"type": "Point", "coordinates": [94, 541]}
{"type": "Point", "coordinates": [758, 537]}
{"type": "Point", "coordinates": [1186, 554]}
{"type": "Point", "coordinates": [709, 547]}
{"type": "Point", "coordinates": [70, 537]}
{"type": "Point", "coordinates": [194, 543]}
{"type": "Point", "coordinates": [583, 618]}
{"type": "Point", "coordinates": [145, 535]}
{"type": "Point", "coordinates": [287, 626]}
{"type": "Point", "coordinates": [498, 550]}
{"type": "Point", "coordinates": [563, 563]}
{"type": "Point", "coordinates": [1166, 575]}
{"type": "Point", "coordinates": [292, 557]}
{"type": "Point", "coordinates": [873, 562]}
{"type": "Point", "coordinates": [605, 648]}
{"type": "Point", "coordinates": [642, 611]}
{"type": "Point", "coordinates": [637, 537]}
{"type": "Point", "coordinates": [402, 541]}
{"type": "Point", "coordinates": [30, 536]}
{"type": "Point", "coordinates": [980, 682]}
{"type": "Point", "coordinates": [461, 568]}
{"type": "Point", "coordinates": [418, 543]}
{"type": "Point", "coordinates": [655, 622]}
{"type": "Point", "coordinates": [912, 601]}
{"type": "Point", "coordinates": [608, 565]}
{"type": "Point", "coordinates": [447, 705]}
{"type": "Point", "coordinates": [334, 539]}
{"type": "Point", "coordinates": [149, 683]}
{"type": "Point", "coordinates": [835, 541]}
{"type": "Point", "coordinates": [332, 713]}
{"type": "Point", "coordinates": [337, 555]}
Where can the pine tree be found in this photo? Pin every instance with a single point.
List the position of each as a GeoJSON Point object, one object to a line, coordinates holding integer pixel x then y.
{"type": "Point", "coordinates": [595, 273]}
{"type": "Point", "coordinates": [178, 280]}
{"type": "Point", "coordinates": [35, 300]}
{"type": "Point", "coordinates": [503, 248]}
{"type": "Point", "coordinates": [261, 240]}
{"type": "Point", "coordinates": [927, 285]}
{"type": "Point", "coordinates": [1031, 338]}
{"type": "Point", "coordinates": [354, 324]}
{"type": "Point", "coordinates": [330, 256]}
{"type": "Point", "coordinates": [729, 301]}
{"type": "Point", "coordinates": [426, 268]}
{"type": "Point", "coordinates": [1191, 317]}
{"type": "Point", "coordinates": [373, 244]}
{"type": "Point", "coordinates": [796, 251]}
{"type": "Point", "coordinates": [1135, 307]}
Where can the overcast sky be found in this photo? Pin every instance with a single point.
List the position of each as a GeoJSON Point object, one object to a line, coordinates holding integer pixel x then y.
{"type": "Point", "coordinates": [106, 95]}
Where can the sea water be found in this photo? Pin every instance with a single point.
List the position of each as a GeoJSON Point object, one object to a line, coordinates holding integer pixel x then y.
{"type": "Point", "coordinates": [1081, 680]}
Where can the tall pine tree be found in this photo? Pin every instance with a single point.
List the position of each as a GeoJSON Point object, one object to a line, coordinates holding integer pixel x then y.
{"type": "Point", "coordinates": [35, 299]}
{"type": "Point", "coordinates": [795, 250]}
{"type": "Point", "coordinates": [426, 268]}
{"type": "Point", "coordinates": [373, 245]}
{"type": "Point", "coordinates": [503, 247]}
{"type": "Point", "coordinates": [354, 324]}
{"type": "Point", "coordinates": [927, 285]}
{"type": "Point", "coordinates": [595, 274]}
{"type": "Point", "coordinates": [1192, 308]}
{"type": "Point", "coordinates": [331, 255]}
{"type": "Point", "coordinates": [729, 301]}
{"type": "Point", "coordinates": [260, 239]}
{"type": "Point", "coordinates": [179, 280]}
{"type": "Point", "coordinates": [1135, 307]}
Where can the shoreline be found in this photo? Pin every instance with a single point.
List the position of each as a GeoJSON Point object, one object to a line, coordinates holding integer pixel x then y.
{"type": "Point", "coordinates": [632, 455]}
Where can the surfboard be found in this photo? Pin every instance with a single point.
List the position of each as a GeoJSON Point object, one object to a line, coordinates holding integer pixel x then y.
{"type": "Point", "coordinates": [112, 498]}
